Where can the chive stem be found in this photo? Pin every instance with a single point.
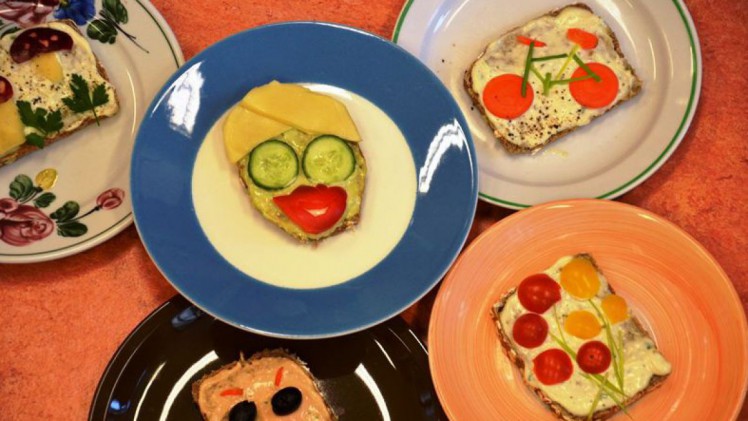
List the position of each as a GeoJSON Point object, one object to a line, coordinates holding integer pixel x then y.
{"type": "Point", "coordinates": [528, 64]}
{"type": "Point", "coordinates": [568, 60]}
{"type": "Point", "coordinates": [586, 68]}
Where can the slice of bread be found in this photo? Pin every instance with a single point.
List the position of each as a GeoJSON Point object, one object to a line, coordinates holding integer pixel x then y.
{"type": "Point", "coordinates": [515, 354]}
{"type": "Point", "coordinates": [83, 120]}
{"type": "Point", "coordinates": [256, 380]}
{"type": "Point", "coordinates": [554, 115]}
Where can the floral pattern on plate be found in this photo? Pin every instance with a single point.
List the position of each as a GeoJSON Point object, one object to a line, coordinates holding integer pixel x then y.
{"type": "Point", "coordinates": [23, 222]}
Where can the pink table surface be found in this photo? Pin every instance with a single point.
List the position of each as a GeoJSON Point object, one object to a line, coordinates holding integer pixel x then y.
{"type": "Point", "coordinates": [61, 321]}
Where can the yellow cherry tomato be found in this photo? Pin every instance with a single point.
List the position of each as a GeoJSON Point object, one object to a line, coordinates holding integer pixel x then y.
{"type": "Point", "coordinates": [582, 324]}
{"type": "Point", "coordinates": [46, 179]}
{"type": "Point", "coordinates": [615, 308]}
{"type": "Point", "coordinates": [579, 278]}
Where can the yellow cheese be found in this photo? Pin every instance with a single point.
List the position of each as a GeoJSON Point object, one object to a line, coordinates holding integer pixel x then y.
{"type": "Point", "coordinates": [48, 66]}
{"type": "Point", "coordinates": [11, 130]}
{"type": "Point", "coordinates": [303, 109]}
{"type": "Point", "coordinates": [245, 129]}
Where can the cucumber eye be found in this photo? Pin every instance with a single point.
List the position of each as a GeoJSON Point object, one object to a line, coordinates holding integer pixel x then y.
{"type": "Point", "coordinates": [328, 159]}
{"type": "Point", "coordinates": [273, 165]}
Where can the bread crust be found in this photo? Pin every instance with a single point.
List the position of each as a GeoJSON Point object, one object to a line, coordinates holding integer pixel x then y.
{"type": "Point", "coordinates": [26, 149]}
{"type": "Point", "coordinates": [513, 354]}
{"type": "Point", "coordinates": [278, 353]}
{"type": "Point", "coordinates": [513, 148]}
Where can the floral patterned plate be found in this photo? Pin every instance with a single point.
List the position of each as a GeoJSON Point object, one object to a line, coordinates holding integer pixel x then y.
{"type": "Point", "coordinates": [74, 194]}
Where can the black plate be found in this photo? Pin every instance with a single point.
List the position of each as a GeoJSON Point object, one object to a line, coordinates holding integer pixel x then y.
{"type": "Point", "coordinates": [377, 374]}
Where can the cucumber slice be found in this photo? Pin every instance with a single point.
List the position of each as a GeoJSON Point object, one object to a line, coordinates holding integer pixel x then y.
{"type": "Point", "coordinates": [328, 159]}
{"type": "Point", "coordinates": [273, 165]}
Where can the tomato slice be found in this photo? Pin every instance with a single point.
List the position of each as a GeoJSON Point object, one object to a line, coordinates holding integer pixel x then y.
{"type": "Point", "coordinates": [552, 366]}
{"type": "Point", "coordinates": [579, 278]}
{"type": "Point", "coordinates": [527, 41]}
{"type": "Point", "coordinates": [584, 39]}
{"type": "Point", "coordinates": [593, 357]}
{"type": "Point", "coordinates": [503, 98]}
{"type": "Point", "coordinates": [591, 93]}
{"type": "Point", "coordinates": [530, 330]}
{"type": "Point", "coordinates": [538, 293]}
{"type": "Point", "coordinates": [314, 209]}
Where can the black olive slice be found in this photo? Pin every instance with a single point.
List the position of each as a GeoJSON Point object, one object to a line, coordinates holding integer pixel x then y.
{"type": "Point", "coordinates": [34, 41]}
{"type": "Point", "coordinates": [243, 411]}
{"type": "Point", "coordinates": [6, 90]}
{"type": "Point", "coordinates": [286, 401]}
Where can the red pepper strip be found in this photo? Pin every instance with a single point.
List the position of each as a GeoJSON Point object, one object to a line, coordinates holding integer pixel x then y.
{"type": "Point", "coordinates": [527, 41]}
{"type": "Point", "coordinates": [234, 391]}
{"type": "Point", "coordinates": [584, 39]}
{"type": "Point", "coordinates": [278, 376]}
{"type": "Point", "coordinates": [314, 209]}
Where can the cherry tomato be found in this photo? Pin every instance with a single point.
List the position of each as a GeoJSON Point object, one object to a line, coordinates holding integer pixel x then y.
{"type": "Point", "coordinates": [314, 209]}
{"type": "Point", "coordinates": [552, 366]}
{"type": "Point", "coordinates": [591, 93]}
{"type": "Point", "coordinates": [538, 293]}
{"type": "Point", "coordinates": [530, 330]}
{"type": "Point", "coordinates": [593, 357]}
{"type": "Point", "coordinates": [579, 278]}
{"type": "Point", "coordinates": [582, 324]}
{"type": "Point", "coordinates": [503, 98]}
{"type": "Point", "coordinates": [615, 308]}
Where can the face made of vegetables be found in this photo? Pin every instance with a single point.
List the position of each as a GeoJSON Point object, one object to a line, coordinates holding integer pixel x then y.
{"type": "Point", "coordinates": [297, 153]}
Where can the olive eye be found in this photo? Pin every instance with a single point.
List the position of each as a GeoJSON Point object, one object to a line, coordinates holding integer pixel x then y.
{"type": "Point", "coordinates": [243, 411]}
{"type": "Point", "coordinates": [286, 401]}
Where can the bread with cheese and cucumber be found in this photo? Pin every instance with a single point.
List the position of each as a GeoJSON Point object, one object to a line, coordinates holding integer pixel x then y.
{"type": "Point", "coordinates": [51, 86]}
{"type": "Point", "coordinates": [577, 344]}
{"type": "Point", "coordinates": [548, 77]}
{"type": "Point", "coordinates": [298, 157]}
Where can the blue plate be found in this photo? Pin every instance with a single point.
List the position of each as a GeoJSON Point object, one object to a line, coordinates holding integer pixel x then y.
{"type": "Point", "coordinates": [196, 97]}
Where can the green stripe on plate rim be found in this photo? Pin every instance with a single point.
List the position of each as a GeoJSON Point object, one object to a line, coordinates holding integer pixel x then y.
{"type": "Point", "coordinates": [668, 148]}
{"type": "Point", "coordinates": [126, 217]}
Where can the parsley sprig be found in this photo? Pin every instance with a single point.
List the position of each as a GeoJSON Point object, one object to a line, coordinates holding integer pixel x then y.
{"type": "Point", "coordinates": [45, 122]}
{"type": "Point", "coordinates": [83, 100]}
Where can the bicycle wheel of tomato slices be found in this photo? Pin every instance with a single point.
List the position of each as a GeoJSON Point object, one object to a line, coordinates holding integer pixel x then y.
{"type": "Point", "coordinates": [657, 274]}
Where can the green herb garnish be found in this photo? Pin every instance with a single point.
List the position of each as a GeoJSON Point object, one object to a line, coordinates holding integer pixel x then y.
{"type": "Point", "coordinates": [595, 402]}
{"type": "Point", "coordinates": [82, 100]}
{"type": "Point", "coordinates": [586, 68]}
{"type": "Point", "coordinates": [41, 120]}
{"type": "Point", "coordinates": [573, 53]}
{"type": "Point", "coordinates": [613, 345]}
{"type": "Point", "coordinates": [528, 65]}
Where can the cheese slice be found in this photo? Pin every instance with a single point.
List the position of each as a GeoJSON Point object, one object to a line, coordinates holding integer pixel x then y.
{"type": "Point", "coordinates": [302, 109]}
{"type": "Point", "coordinates": [11, 129]}
{"type": "Point", "coordinates": [245, 129]}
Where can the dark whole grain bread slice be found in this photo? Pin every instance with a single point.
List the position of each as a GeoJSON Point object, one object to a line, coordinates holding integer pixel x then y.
{"type": "Point", "coordinates": [277, 353]}
{"type": "Point", "coordinates": [26, 149]}
{"type": "Point", "coordinates": [513, 148]}
{"type": "Point", "coordinates": [513, 354]}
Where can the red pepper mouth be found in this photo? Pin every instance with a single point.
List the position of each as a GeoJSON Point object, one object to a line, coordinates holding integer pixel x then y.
{"type": "Point", "coordinates": [314, 209]}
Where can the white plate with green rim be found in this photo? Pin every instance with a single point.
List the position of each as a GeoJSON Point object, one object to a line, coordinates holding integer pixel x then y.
{"type": "Point", "coordinates": [603, 160]}
{"type": "Point", "coordinates": [74, 194]}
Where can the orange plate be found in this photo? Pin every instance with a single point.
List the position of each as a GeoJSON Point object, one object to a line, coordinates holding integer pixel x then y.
{"type": "Point", "coordinates": [672, 284]}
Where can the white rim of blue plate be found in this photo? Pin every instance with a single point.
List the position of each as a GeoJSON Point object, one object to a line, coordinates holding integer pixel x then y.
{"type": "Point", "coordinates": [644, 169]}
{"type": "Point", "coordinates": [365, 64]}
